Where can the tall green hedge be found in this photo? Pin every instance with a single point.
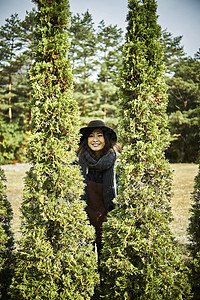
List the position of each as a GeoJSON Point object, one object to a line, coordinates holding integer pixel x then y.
{"type": "Point", "coordinates": [140, 259]}
{"type": "Point", "coordinates": [55, 258]}
{"type": "Point", "coordinates": [194, 236]}
{"type": "Point", "coordinates": [6, 239]}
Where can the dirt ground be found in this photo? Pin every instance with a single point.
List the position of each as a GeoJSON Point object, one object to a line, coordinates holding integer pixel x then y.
{"type": "Point", "coordinates": [183, 184]}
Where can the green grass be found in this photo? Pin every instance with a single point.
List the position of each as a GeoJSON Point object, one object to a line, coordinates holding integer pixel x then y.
{"type": "Point", "coordinates": [15, 181]}
{"type": "Point", "coordinates": [183, 185]}
{"type": "Point", "coordinates": [181, 201]}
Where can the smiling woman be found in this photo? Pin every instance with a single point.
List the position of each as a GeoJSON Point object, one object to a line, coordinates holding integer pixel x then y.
{"type": "Point", "coordinates": [97, 155]}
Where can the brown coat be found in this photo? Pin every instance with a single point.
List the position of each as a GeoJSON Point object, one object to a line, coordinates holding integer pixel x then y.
{"type": "Point", "coordinates": [97, 211]}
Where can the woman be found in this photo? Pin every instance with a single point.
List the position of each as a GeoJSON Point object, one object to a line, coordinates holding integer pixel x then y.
{"type": "Point", "coordinates": [97, 155]}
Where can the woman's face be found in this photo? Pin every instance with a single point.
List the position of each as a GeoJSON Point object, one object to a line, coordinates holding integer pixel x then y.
{"type": "Point", "coordinates": [96, 141]}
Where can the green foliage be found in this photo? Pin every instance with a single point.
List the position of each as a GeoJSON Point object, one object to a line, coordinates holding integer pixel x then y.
{"type": "Point", "coordinates": [140, 259]}
{"type": "Point", "coordinates": [55, 258]}
{"type": "Point", "coordinates": [194, 236]}
{"type": "Point", "coordinates": [183, 92]}
{"type": "Point", "coordinates": [9, 61]}
{"type": "Point", "coordinates": [6, 239]}
{"type": "Point", "coordinates": [184, 99]}
{"type": "Point", "coordinates": [110, 58]}
{"type": "Point", "coordinates": [82, 54]}
{"type": "Point", "coordinates": [14, 91]}
{"type": "Point", "coordinates": [12, 142]}
{"type": "Point", "coordinates": [95, 53]}
{"type": "Point", "coordinates": [173, 51]}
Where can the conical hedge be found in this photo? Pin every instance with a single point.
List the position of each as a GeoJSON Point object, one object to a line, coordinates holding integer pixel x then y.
{"type": "Point", "coordinates": [140, 259]}
{"type": "Point", "coordinates": [194, 236]}
{"type": "Point", "coordinates": [6, 239]}
{"type": "Point", "coordinates": [56, 258]}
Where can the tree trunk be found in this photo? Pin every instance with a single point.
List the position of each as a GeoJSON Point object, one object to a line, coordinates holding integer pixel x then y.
{"type": "Point", "coordinates": [105, 100]}
{"type": "Point", "coordinates": [10, 98]}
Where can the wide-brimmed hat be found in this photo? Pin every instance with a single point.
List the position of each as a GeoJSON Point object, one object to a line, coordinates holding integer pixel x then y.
{"type": "Point", "coordinates": [85, 131]}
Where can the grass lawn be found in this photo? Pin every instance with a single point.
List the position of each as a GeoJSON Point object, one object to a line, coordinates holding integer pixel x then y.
{"type": "Point", "coordinates": [181, 201]}
{"type": "Point", "coordinates": [183, 185]}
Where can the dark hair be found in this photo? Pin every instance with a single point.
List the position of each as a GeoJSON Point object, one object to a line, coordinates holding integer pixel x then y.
{"type": "Point", "coordinates": [109, 144]}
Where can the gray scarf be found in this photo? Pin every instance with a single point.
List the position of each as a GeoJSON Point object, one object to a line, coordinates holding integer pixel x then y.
{"type": "Point", "coordinates": [105, 165]}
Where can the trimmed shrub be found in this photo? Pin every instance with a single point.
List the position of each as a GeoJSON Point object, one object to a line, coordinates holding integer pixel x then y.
{"type": "Point", "coordinates": [140, 259]}
{"type": "Point", "coordinates": [6, 239]}
{"type": "Point", "coordinates": [194, 236]}
{"type": "Point", "coordinates": [56, 259]}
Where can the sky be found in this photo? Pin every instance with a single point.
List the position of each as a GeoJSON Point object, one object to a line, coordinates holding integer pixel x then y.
{"type": "Point", "coordinates": [179, 17]}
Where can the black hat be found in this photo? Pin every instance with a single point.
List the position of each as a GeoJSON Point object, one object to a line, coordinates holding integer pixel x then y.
{"type": "Point", "coordinates": [97, 124]}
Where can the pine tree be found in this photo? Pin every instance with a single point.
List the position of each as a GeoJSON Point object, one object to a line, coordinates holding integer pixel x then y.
{"type": "Point", "coordinates": [197, 55]}
{"type": "Point", "coordinates": [110, 58]}
{"type": "Point", "coordinates": [29, 42]}
{"type": "Point", "coordinates": [11, 134]}
{"type": "Point", "coordinates": [173, 50]}
{"type": "Point", "coordinates": [55, 258]}
{"type": "Point", "coordinates": [140, 258]}
{"type": "Point", "coordinates": [183, 93]}
{"type": "Point", "coordinates": [82, 54]}
{"type": "Point", "coordinates": [184, 98]}
{"type": "Point", "coordinates": [6, 239]}
{"type": "Point", "coordinates": [10, 46]}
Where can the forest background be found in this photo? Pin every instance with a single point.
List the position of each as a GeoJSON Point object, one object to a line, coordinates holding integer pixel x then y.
{"type": "Point", "coordinates": [96, 58]}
